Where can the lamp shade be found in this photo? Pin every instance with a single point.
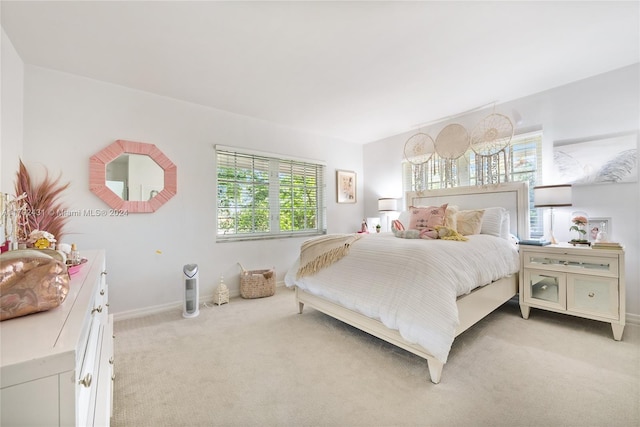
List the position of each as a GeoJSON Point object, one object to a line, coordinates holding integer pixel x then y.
{"type": "Point", "coordinates": [552, 196]}
{"type": "Point", "coordinates": [387, 204]}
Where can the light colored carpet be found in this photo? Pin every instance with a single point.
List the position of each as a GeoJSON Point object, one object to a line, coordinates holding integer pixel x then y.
{"type": "Point", "coordinates": [259, 363]}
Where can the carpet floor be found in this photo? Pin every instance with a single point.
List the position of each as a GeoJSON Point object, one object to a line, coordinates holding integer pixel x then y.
{"type": "Point", "coordinates": [260, 363]}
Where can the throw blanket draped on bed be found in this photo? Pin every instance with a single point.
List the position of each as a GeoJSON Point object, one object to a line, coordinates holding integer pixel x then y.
{"type": "Point", "coordinates": [323, 251]}
{"type": "Point", "coordinates": [411, 285]}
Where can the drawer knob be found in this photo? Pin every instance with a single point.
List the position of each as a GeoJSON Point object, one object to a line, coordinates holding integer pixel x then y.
{"type": "Point", "coordinates": [86, 381]}
{"type": "Point", "coordinates": [98, 309]}
{"type": "Point", "coordinates": [102, 292]}
{"type": "Point", "coordinates": [592, 294]}
{"type": "Point", "coordinates": [104, 273]}
{"type": "Point", "coordinates": [111, 360]}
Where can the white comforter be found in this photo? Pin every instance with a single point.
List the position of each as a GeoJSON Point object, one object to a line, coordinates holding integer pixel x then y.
{"type": "Point", "coordinates": [411, 285]}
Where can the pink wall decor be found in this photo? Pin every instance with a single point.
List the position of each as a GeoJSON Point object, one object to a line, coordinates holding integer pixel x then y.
{"type": "Point", "coordinates": [97, 176]}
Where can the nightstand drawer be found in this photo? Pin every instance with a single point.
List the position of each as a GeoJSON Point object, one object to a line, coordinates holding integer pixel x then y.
{"type": "Point", "coordinates": [593, 296]}
{"type": "Point", "coordinates": [596, 265]}
{"type": "Point", "coordinates": [545, 288]}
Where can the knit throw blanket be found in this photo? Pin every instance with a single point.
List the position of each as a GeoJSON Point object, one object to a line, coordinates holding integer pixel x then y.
{"type": "Point", "coordinates": [323, 251]}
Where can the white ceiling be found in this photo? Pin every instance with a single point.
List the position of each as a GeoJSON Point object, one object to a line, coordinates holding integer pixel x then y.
{"type": "Point", "coordinates": [358, 71]}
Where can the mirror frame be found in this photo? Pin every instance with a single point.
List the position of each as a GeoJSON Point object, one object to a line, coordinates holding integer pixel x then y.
{"type": "Point", "coordinates": [98, 172]}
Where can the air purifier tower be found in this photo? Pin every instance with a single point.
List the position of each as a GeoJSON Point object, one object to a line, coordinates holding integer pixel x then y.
{"type": "Point", "coordinates": [191, 302]}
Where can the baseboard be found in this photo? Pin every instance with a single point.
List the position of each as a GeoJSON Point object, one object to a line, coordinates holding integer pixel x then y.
{"type": "Point", "coordinates": [141, 312]}
{"type": "Point", "coordinates": [633, 319]}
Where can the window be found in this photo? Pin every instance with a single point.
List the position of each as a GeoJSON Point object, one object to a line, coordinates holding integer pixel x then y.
{"type": "Point", "coordinates": [262, 196]}
{"type": "Point", "coordinates": [525, 154]}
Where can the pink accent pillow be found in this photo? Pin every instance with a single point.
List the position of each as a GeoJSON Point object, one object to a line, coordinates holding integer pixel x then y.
{"type": "Point", "coordinates": [397, 225]}
{"type": "Point", "coordinates": [426, 217]}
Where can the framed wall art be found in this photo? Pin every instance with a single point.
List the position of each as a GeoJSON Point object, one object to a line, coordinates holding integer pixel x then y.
{"type": "Point", "coordinates": [345, 186]}
{"type": "Point", "coordinates": [602, 160]}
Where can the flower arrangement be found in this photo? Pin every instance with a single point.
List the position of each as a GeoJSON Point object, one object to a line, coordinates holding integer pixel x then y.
{"type": "Point", "coordinates": [38, 204]}
{"type": "Point", "coordinates": [41, 239]}
{"type": "Point", "coordinates": [580, 226]}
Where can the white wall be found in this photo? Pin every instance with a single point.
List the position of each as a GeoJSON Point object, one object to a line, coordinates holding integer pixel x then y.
{"type": "Point", "coordinates": [68, 118]}
{"type": "Point", "coordinates": [601, 105]}
{"type": "Point", "coordinates": [11, 115]}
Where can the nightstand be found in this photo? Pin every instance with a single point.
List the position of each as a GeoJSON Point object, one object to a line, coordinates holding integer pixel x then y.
{"type": "Point", "coordinates": [580, 281]}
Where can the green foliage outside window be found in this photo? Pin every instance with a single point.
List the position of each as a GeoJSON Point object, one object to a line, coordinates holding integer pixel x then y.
{"type": "Point", "coordinates": [266, 197]}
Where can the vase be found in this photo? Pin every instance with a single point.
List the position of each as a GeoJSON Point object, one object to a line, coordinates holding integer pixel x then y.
{"type": "Point", "coordinates": [579, 221]}
{"type": "Point", "coordinates": [602, 236]}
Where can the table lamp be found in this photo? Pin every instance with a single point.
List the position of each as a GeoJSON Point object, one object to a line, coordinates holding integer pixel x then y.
{"type": "Point", "coordinates": [552, 196]}
{"type": "Point", "coordinates": [387, 204]}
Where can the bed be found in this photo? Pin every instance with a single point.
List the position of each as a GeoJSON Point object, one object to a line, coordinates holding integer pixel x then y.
{"type": "Point", "coordinates": [380, 288]}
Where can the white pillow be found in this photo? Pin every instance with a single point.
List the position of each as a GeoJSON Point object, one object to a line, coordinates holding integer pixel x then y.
{"type": "Point", "coordinates": [404, 218]}
{"type": "Point", "coordinates": [493, 222]}
{"type": "Point", "coordinates": [505, 231]}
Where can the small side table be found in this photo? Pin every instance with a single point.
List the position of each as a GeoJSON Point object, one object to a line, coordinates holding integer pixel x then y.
{"type": "Point", "coordinates": [575, 280]}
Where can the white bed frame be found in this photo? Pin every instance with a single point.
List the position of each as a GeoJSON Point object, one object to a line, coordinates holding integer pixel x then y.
{"type": "Point", "coordinates": [471, 307]}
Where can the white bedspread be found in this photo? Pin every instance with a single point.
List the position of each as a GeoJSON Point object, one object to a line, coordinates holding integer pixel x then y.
{"type": "Point", "coordinates": [411, 285]}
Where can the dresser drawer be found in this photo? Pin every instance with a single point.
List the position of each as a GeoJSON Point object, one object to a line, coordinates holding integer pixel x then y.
{"type": "Point", "coordinates": [593, 296]}
{"type": "Point", "coordinates": [87, 374]}
{"type": "Point", "coordinates": [104, 393]}
{"type": "Point", "coordinates": [592, 265]}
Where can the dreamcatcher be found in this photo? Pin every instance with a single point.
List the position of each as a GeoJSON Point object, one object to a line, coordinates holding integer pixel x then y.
{"type": "Point", "coordinates": [489, 139]}
{"type": "Point", "coordinates": [418, 150]}
{"type": "Point", "coordinates": [451, 143]}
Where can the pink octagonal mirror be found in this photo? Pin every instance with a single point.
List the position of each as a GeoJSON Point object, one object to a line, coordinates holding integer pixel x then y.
{"type": "Point", "coordinates": [132, 176]}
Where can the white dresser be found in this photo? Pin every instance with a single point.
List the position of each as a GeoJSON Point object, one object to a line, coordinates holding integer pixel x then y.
{"type": "Point", "coordinates": [57, 366]}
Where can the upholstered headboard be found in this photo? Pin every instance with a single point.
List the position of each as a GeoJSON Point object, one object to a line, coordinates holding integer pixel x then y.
{"type": "Point", "coordinates": [513, 196]}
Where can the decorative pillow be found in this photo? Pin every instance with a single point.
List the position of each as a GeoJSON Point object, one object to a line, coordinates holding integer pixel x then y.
{"type": "Point", "coordinates": [492, 221]}
{"type": "Point", "coordinates": [450, 216]}
{"type": "Point", "coordinates": [446, 233]}
{"type": "Point", "coordinates": [469, 221]}
{"type": "Point", "coordinates": [440, 232]}
{"type": "Point", "coordinates": [397, 225]}
{"type": "Point", "coordinates": [425, 233]}
{"type": "Point", "coordinates": [427, 217]}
